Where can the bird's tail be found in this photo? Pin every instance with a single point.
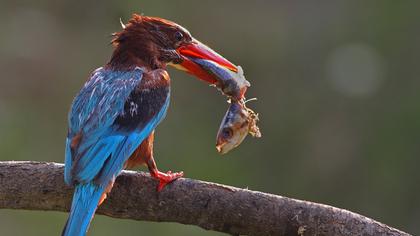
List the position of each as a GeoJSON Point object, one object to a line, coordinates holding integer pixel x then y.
{"type": "Point", "coordinates": [85, 201]}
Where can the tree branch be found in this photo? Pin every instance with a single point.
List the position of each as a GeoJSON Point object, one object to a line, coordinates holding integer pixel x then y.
{"type": "Point", "coordinates": [40, 186]}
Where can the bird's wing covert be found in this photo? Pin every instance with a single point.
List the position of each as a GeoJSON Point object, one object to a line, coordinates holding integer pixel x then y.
{"type": "Point", "coordinates": [91, 119]}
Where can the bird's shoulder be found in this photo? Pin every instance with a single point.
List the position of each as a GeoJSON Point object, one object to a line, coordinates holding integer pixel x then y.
{"type": "Point", "coordinates": [146, 101]}
{"type": "Point", "coordinates": [102, 98]}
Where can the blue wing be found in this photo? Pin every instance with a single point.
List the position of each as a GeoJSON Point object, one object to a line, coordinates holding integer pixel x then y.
{"type": "Point", "coordinates": [113, 113]}
{"type": "Point", "coordinates": [99, 120]}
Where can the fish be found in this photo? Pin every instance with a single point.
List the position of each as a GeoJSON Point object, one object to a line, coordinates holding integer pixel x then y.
{"type": "Point", "coordinates": [231, 83]}
{"type": "Point", "coordinates": [238, 122]}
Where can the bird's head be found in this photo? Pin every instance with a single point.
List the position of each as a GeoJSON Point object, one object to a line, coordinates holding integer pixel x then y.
{"type": "Point", "coordinates": [156, 42]}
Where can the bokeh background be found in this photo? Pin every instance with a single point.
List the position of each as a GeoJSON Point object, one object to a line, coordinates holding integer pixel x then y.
{"type": "Point", "coordinates": [338, 93]}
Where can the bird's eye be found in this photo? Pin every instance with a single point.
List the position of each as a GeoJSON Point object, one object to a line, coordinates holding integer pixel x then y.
{"type": "Point", "coordinates": [179, 36]}
{"type": "Point", "coordinates": [227, 133]}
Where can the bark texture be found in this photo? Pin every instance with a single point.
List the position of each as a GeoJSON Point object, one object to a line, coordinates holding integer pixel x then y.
{"type": "Point", "coordinates": [40, 186]}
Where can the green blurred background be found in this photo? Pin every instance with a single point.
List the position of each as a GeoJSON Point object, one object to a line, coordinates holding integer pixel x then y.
{"type": "Point", "coordinates": [338, 96]}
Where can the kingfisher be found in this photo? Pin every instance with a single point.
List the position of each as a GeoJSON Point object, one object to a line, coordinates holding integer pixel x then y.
{"type": "Point", "coordinates": [112, 120]}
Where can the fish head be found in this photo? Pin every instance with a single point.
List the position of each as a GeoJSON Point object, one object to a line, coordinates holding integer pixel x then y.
{"type": "Point", "coordinates": [233, 129]}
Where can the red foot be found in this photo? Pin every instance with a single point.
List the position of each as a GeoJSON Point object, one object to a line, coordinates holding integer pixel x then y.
{"type": "Point", "coordinates": [165, 179]}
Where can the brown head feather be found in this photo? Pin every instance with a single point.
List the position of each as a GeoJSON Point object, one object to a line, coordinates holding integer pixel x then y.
{"type": "Point", "coordinates": [142, 41]}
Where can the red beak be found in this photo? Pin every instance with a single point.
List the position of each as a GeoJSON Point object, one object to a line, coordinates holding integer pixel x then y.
{"type": "Point", "coordinates": [197, 50]}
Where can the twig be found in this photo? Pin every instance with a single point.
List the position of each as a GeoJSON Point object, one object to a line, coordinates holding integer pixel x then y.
{"type": "Point", "coordinates": [40, 186]}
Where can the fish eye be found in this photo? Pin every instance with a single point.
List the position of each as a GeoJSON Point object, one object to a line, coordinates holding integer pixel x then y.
{"type": "Point", "coordinates": [227, 133]}
{"type": "Point", "coordinates": [179, 36]}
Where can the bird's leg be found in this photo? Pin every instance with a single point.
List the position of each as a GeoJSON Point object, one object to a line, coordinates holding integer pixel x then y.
{"type": "Point", "coordinates": [146, 151]}
{"type": "Point", "coordinates": [144, 155]}
{"type": "Point", "coordinates": [164, 178]}
{"type": "Point", "coordinates": [105, 194]}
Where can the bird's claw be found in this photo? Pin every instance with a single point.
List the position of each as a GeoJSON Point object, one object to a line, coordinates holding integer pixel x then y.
{"type": "Point", "coordinates": [166, 178]}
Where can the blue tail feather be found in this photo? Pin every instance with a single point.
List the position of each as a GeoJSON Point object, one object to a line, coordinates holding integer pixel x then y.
{"type": "Point", "coordinates": [85, 201]}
